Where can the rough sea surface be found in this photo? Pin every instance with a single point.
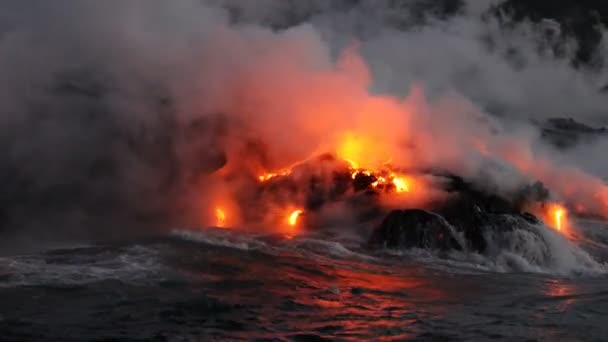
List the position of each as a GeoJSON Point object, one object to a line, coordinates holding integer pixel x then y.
{"type": "Point", "coordinates": [227, 285]}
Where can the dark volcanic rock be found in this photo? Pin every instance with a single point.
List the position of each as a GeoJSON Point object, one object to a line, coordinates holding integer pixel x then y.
{"type": "Point", "coordinates": [477, 226]}
{"type": "Point", "coordinates": [475, 212]}
{"type": "Point", "coordinates": [475, 221]}
{"type": "Point", "coordinates": [483, 232]}
{"type": "Point", "coordinates": [469, 218]}
{"type": "Point", "coordinates": [415, 228]}
{"type": "Point", "coordinates": [363, 182]}
{"type": "Point", "coordinates": [469, 195]}
{"type": "Point", "coordinates": [476, 216]}
{"type": "Point", "coordinates": [466, 211]}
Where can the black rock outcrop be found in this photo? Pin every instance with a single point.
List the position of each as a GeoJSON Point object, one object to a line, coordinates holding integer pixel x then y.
{"type": "Point", "coordinates": [415, 228]}
{"type": "Point", "coordinates": [469, 220]}
{"type": "Point", "coordinates": [472, 231]}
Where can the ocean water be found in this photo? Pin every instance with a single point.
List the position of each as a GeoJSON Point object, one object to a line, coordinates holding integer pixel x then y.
{"type": "Point", "coordinates": [227, 285]}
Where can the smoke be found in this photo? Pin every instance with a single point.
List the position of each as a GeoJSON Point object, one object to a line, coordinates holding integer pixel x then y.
{"type": "Point", "coordinates": [118, 114]}
{"type": "Point", "coordinates": [96, 139]}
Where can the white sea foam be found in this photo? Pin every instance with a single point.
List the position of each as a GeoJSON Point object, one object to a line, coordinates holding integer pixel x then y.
{"type": "Point", "coordinates": [326, 247]}
{"type": "Point", "coordinates": [534, 249]}
{"type": "Point", "coordinates": [221, 238]}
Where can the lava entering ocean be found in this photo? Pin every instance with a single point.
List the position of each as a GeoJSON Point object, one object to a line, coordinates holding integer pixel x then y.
{"type": "Point", "coordinates": [343, 149]}
{"type": "Point", "coordinates": [559, 214]}
{"type": "Point", "coordinates": [326, 180]}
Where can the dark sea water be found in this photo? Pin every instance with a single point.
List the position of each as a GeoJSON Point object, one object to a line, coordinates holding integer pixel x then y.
{"type": "Point", "coordinates": [224, 285]}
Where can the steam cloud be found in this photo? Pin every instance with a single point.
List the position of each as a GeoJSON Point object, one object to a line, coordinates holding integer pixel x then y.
{"type": "Point", "coordinates": [115, 113]}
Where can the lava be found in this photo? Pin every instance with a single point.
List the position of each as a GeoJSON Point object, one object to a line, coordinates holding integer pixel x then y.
{"type": "Point", "coordinates": [558, 215]}
{"type": "Point", "coordinates": [395, 147]}
{"type": "Point", "coordinates": [401, 184]}
{"type": "Point", "coordinates": [293, 217]}
{"type": "Point", "coordinates": [268, 176]}
{"type": "Point", "coordinates": [555, 215]}
{"type": "Point", "coordinates": [392, 147]}
{"type": "Point", "coordinates": [220, 217]}
{"type": "Point", "coordinates": [292, 222]}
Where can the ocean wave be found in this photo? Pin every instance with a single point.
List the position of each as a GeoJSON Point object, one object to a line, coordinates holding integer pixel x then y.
{"type": "Point", "coordinates": [134, 264]}
{"type": "Point", "coordinates": [531, 249]}
{"type": "Point", "coordinates": [221, 238]}
{"type": "Point", "coordinates": [331, 248]}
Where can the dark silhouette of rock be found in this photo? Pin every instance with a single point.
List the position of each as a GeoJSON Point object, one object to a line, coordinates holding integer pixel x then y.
{"type": "Point", "coordinates": [466, 216]}
{"type": "Point", "coordinates": [363, 181]}
{"type": "Point", "coordinates": [415, 228]}
{"type": "Point", "coordinates": [530, 218]}
{"type": "Point", "coordinates": [474, 214]}
{"type": "Point", "coordinates": [467, 193]}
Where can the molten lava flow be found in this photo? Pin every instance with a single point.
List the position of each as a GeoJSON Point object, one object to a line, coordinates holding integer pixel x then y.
{"type": "Point", "coordinates": [401, 184]}
{"type": "Point", "coordinates": [293, 217]}
{"type": "Point", "coordinates": [368, 163]}
{"type": "Point", "coordinates": [554, 215]}
{"type": "Point", "coordinates": [220, 217]}
{"type": "Point", "coordinates": [558, 214]}
{"type": "Point", "coordinates": [292, 222]}
{"type": "Point", "coordinates": [357, 172]}
{"type": "Point", "coordinates": [558, 218]}
{"type": "Point", "coordinates": [270, 175]}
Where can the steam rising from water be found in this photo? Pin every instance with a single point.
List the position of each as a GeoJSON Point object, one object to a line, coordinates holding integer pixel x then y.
{"type": "Point", "coordinates": [117, 114]}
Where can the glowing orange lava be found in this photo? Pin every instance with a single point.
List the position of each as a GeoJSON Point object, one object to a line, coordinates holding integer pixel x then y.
{"type": "Point", "coordinates": [557, 216]}
{"type": "Point", "coordinates": [362, 156]}
{"type": "Point", "coordinates": [268, 176]}
{"type": "Point", "coordinates": [401, 184]}
{"type": "Point", "coordinates": [554, 215]}
{"type": "Point", "coordinates": [293, 217]}
{"type": "Point", "coordinates": [220, 217]}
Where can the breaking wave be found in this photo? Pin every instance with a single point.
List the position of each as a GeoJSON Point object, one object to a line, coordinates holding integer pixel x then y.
{"type": "Point", "coordinates": [332, 248]}
{"type": "Point", "coordinates": [540, 249]}
{"type": "Point", "coordinates": [221, 238]}
{"type": "Point", "coordinates": [530, 249]}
